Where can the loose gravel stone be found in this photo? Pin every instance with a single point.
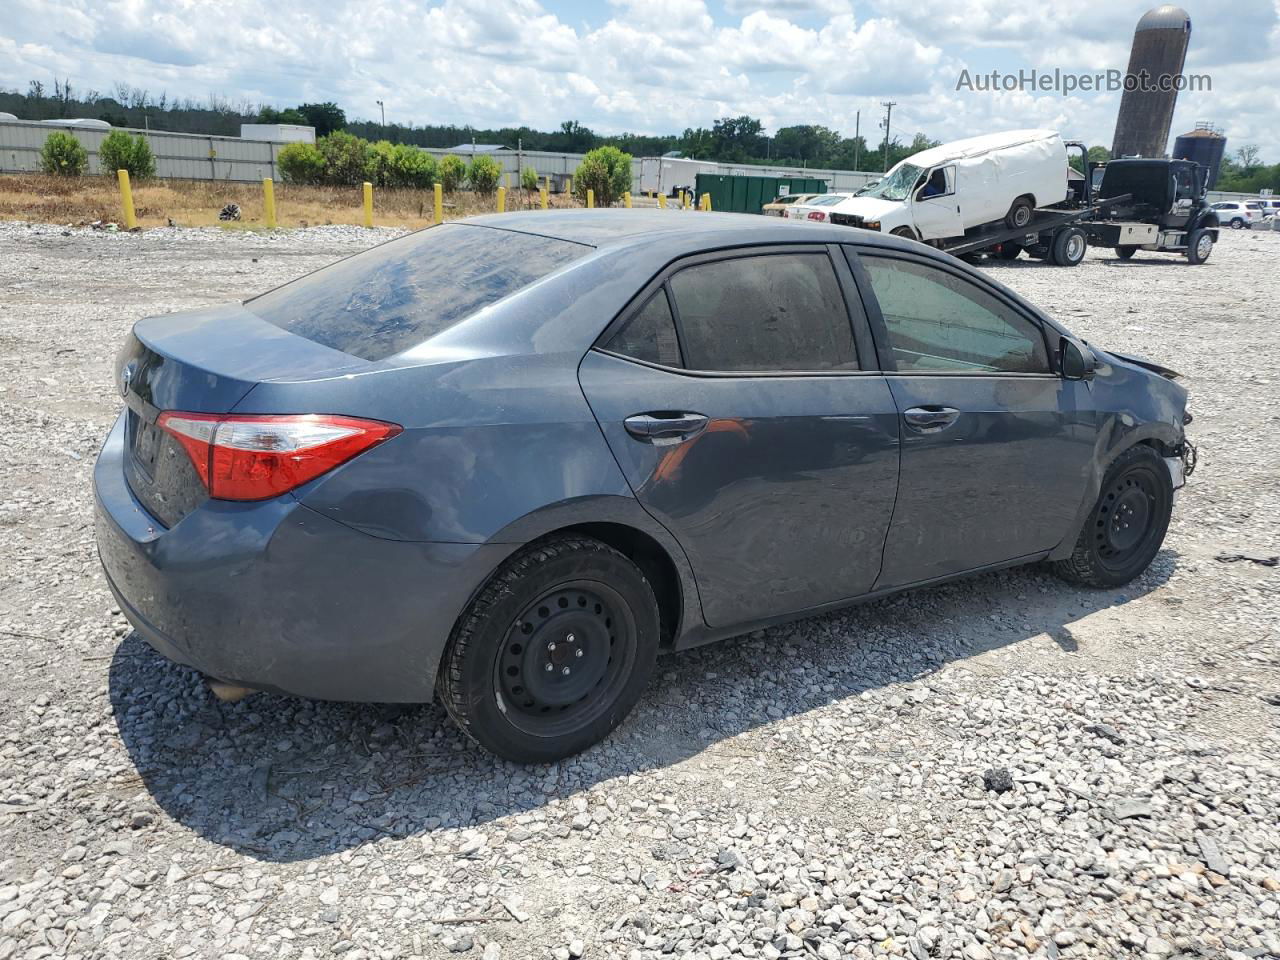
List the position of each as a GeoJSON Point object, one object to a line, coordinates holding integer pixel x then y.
{"type": "Point", "coordinates": [814, 789]}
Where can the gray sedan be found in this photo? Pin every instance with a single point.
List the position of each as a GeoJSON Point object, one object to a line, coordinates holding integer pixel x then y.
{"type": "Point", "coordinates": [506, 461]}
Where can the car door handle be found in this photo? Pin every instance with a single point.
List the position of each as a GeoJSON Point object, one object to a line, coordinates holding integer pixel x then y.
{"type": "Point", "coordinates": [664, 427]}
{"type": "Point", "coordinates": [931, 418]}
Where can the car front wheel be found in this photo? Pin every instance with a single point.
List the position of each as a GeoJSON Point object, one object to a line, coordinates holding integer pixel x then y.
{"type": "Point", "coordinates": [554, 651]}
{"type": "Point", "coordinates": [1237, 223]}
{"type": "Point", "coordinates": [1124, 531]}
{"type": "Point", "coordinates": [1199, 246]}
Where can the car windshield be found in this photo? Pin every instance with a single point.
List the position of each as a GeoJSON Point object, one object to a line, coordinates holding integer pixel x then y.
{"type": "Point", "coordinates": [896, 184]}
{"type": "Point", "coordinates": [400, 294]}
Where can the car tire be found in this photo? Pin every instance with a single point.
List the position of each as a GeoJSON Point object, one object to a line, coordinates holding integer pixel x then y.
{"type": "Point", "coordinates": [1020, 213]}
{"type": "Point", "coordinates": [1010, 250]}
{"type": "Point", "coordinates": [1237, 223]}
{"type": "Point", "coordinates": [1126, 526]}
{"type": "Point", "coordinates": [1199, 246]}
{"type": "Point", "coordinates": [905, 232]}
{"type": "Point", "coordinates": [563, 605]}
{"type": "Point", "coordinates": [1068, 247]}
{"type": "Point", "coordinates": [1126, 252]}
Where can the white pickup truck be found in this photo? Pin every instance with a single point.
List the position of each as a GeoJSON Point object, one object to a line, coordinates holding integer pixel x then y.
{"type": "Point", "coordinates": [945, 190]}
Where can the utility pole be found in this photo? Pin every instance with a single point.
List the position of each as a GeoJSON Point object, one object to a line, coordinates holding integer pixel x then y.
{"type": "Point", "coordinates": [857, 136]}
{"type": "Point", "coordinates": [888, 114]}
{"type": "Point", "coordinates": [383, 107]}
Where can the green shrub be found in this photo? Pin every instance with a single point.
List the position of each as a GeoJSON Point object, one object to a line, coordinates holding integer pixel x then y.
{"type": "Point", "coordinates": [529, 178]}
{"type": "Point", "coordinates": [119, 151]}
{"type": "Point", "coordinates": [345, 157]}
{"type": "Point", "coordinates": [484, 174]}
{"type": "Point", "coordinates": [451, 173]}
{"type": "Point", "coordinates": [301, 163]}
{"type": "Point", "coordinates": [607, 171]}
{"type": "Point", "coordinates": [63, 155]}
{"type": "Point", "coordinates": [399, 165]}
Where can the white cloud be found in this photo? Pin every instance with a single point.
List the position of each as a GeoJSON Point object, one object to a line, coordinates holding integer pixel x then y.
{"type": "Point", "coordinates": [649, 66]}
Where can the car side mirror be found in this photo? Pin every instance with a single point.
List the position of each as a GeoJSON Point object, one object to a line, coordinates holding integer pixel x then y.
{"type": "Point", "coordinates": [1075, 360]}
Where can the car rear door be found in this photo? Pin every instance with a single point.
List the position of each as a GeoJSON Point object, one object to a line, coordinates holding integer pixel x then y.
{"type": "Point", "coordinates": [740, 395]}
{"type": "Point", "coordinates": [995, 444]}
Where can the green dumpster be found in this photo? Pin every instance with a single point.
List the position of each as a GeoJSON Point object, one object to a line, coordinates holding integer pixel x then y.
{"type": "Point", "coordinates": [733, 194]}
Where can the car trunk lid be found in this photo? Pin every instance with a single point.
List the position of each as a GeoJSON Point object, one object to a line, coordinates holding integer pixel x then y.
{"type": "Point", "coordinates": [200, 361]}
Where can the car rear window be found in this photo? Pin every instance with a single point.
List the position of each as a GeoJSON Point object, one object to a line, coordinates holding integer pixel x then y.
{"type": "Point", "coordinates": [399, 294]}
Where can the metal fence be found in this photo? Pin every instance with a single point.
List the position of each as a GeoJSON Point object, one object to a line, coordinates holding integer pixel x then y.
{"type": "Point", "coordinates": [181, 156]}
{"type": "Point", "coordinates": [188, 156]}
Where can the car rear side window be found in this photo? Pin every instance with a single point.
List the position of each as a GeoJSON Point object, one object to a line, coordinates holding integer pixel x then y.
{"type": "Point", "coordinates": [650, 335]}
{"type": "Point", "coordinates": [938, 321]}
{"type": "Point", "coordinates": [771, 312]}
{"type": "Point", "coordinates": [402, 293]}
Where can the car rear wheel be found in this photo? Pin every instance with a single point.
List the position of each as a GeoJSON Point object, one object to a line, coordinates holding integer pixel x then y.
{"type": "Point", "coordinates": [1126, 252]}
{"type": "Point", "coordinates": [1127, 525]}
{"type": "Point", "coordinates": [1019, 214]}
{"type": "Point", "coordinates": [1199, 246]}
{"type": "Point", "coordinates": [553, 653]}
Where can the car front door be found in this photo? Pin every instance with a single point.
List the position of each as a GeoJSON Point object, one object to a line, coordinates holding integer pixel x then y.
{"type": "Point", "coordinates": [995, 444]}
{"type": "Point", "coordinates": [935, 208]}
{"type": "Point", "coordinates": [732, 395]}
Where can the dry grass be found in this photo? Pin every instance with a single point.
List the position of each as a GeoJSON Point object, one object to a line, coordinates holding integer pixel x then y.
{"type": "Point", "coordinates": [192, 203]}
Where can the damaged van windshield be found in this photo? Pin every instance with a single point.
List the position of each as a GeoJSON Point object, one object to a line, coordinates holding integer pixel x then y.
{"type": "Point", "coordinates": [896, 185]}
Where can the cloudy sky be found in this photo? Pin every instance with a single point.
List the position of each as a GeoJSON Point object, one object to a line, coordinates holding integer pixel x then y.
{"type": "Point", "coordinates": [653, 66]}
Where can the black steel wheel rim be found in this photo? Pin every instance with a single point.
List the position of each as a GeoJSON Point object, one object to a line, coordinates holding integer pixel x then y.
{"type": "Point", "coordinates": [1022, 216]}
{"type": "Point", "coordinates": [1128, 518]}
{"type": "Point", "coordinates": [566, 658]}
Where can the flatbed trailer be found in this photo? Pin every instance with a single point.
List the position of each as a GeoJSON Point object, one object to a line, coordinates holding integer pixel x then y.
{"type": "Point", "coordinates": [1055, 234]}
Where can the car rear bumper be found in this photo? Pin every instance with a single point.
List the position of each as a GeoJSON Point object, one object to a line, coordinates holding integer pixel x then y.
{"type": "Point", "coordinates": [273, 595]}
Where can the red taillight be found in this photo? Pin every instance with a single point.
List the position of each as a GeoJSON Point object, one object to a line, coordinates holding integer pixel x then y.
{"type": "Point", "coordinates": [248, 457]}
{"type": "Point", "coordinates": [817, 215]}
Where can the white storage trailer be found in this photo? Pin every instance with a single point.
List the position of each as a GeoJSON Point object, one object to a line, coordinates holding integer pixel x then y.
{"type": "Point", "coordinates": [670, 175]}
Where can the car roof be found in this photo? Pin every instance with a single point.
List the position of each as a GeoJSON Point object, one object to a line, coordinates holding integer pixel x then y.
{"type": "Point", "coordinates": [975, 146]}
{"type": "Point", "coordinates": [686, 229]}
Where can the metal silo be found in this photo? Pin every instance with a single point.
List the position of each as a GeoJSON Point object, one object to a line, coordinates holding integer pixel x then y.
{"type": "Point", "coordinates": [1206, 146]}
{"type": "Point", "coordinates": [1159, 50]}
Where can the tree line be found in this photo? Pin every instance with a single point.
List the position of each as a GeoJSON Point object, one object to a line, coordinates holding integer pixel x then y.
{"type": "Point", "coordinates": [741, 139]}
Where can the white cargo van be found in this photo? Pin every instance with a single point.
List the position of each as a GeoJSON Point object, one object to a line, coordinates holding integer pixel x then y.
{"type": "Point", "coordinates": [944, 191]}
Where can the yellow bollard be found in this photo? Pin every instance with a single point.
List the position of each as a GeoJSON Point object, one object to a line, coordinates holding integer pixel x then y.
{"type": "Point", "coordinates": [626, 199]}
{"type": "Point", "coordinates": [368, 204]}
{"type": "Point", "coordinates": [269, 202]}
{"type": "Point", "coordinates": [544, 196]}
{"type": "Point", "coordinates": [662, 201]}
{"type": "Point", "coordinates": [502, 199]}
{"type": "Point", "coordinates": [439, 204]}
{"type": "Point", "coordinates": [546, 184]}
{"type": "Point", "coordinates": [569, 189]}
{"type": "Point", "coordinates": [706, 202]}
{"type": "Point", "coordinates": [126, 200]}
{"type": "Point", "coordinates": [508, 180]}
{"type": "Point", "coordinates": [591, 198]}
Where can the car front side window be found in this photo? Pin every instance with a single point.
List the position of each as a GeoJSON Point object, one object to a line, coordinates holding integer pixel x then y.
{"type": "Point", "coordinates": [937, 321]}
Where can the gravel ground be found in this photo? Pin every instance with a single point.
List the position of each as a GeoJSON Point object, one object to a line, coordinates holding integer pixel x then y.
{"type": "Point", "coordinates": [1002, 767]}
